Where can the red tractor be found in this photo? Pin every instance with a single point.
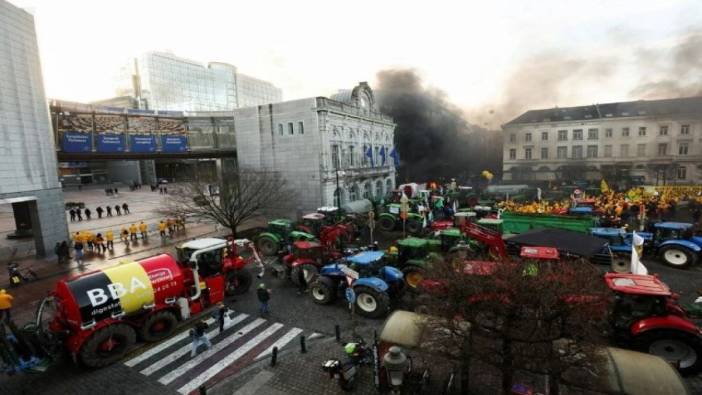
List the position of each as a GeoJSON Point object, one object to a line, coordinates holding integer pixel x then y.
{"type": "Point", "coordinates": [98, 315]}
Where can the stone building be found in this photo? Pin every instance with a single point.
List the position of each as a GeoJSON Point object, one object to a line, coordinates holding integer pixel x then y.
{"type": "Point", "coordinates": [651, 141]}
{"type": "Point", "coordinates": [28, 175]}
{"type": "Point", "coordinates": [313, 141]}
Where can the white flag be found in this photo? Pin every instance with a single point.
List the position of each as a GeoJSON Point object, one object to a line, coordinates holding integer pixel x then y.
{"type": "Point", "coordinates": [636, 251]}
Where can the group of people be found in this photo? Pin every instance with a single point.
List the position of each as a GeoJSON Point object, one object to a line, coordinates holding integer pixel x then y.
{"type": "Point", "coordinates": [88, 241]}
{"type": "Point", "coordinates": [162, 189]}
{"type": "Point", "coordinates": [76, 214]}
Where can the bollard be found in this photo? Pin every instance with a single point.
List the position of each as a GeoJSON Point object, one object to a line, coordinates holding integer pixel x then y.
{"type": "Point", "coordinates": [274, 356]}
{"type": "Point", "coordinates": [337, 331]}
{"type": "Point", "coordinates": [303, 346]}
{"type": "Point", "coordinates": [203, 390]}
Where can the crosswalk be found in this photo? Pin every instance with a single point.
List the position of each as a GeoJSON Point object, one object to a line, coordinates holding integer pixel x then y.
{"type": "Point", "coordinates": [245, 340]}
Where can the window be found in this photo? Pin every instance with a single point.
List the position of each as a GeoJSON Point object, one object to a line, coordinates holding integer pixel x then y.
{"type": "Point", "coordinates": [577, 152]}
{"type": "Point", "coordinates": [682, 149]}
{"type": "Point", "coordinates": [608, 133]}
{"type": "Point", "coordinates": [376, 157]}
{"type": "Point", "coordinates": [512, 138]}
{"type": "Point", "coordinates": [663, 131]}
{"type": "Point", "coordinates": [562, 152]}
{"type": "Point", "coordinates": [301, 127]}
{"type": "Point", "coordinates": [335, 156]}
{"type": "Point", "coordinates": [364, 158]}
{"type": "Point", "coordinates": [280, 129]}
{"type": "Point", "coordinates": [291, 128]}
{"type": "Point", "coordinates": [641, 150]}
{"type": "Point", "coordinates": [513, 154]}
{"type": "Point", "coordinates": [624, 150]}
{"type": "Point", "coordinates": [607, 151]}
{"type": "Point", "coordinates": [685, 129]}
{"type": "Point", "coordinates": [527, 153]}
{"type": "Point", "coordinates": [528, 137]}
{"type": "Point", "coordinates": [352, 156]}
{"type": "Point", "coordinates": [577, 134]}
{"type": "Point", "coordinates": [625, 132]}
{"type": "Point", "coordinates": [544, 136]}
{"type": "Point", "coordinates": [662, 149]}
{"type": "Point", "coordinates": [544, 153]}
{"type": "Point", "coordinates": [592, 151]}
{"type": "Point", "coordinates": [562, 135]}
{"type": "Point", "coordinates": [642, 131]}
{"type": "Point", "coordinates": [682, 173]}
{"type": "Point", "coordinates": [593, 134]}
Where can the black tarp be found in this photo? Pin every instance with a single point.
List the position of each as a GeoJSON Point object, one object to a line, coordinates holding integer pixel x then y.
{"type": "Point", "coordinates": [573, 243]}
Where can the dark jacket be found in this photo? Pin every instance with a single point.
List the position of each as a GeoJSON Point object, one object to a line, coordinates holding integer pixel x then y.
{"type": "Point", "coordinates": [263, 295]}
{"type": "Point", "coordinates": [199, 329]}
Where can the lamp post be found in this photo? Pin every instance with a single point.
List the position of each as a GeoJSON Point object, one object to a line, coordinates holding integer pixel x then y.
{"type": "Point", "coordinates": [338, 190]}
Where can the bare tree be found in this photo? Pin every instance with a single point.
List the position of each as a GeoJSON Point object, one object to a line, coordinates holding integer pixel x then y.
{"type": "Point", "coordinates": [245, 195]}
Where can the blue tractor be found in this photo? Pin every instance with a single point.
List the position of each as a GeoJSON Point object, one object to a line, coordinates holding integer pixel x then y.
{"type": "Point", "coordinates": [364, 279]}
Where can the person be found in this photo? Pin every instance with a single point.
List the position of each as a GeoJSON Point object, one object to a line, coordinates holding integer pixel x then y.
{"type": "Point", "coordinates": [78, 247]}
{"type": "Point", "coordinates": [100, 243]}
{"type": "Point", "coordinates": [64, 252]}
{"type": "Point", "coordinates": [99, 211]}
{"type": "Point", "coordinates": [108, 208]}
{"type": "Point", "coordinates": [221, 313]}
{"type": "Point", "coordinates": [125, 208]}
{"type": "Point", "coordinates": [110, 237]}
{"type": "Point", "coordinates": [72, 213]}
{"type": "Point", "coordinates": [180, 223]}
{"type": "Point", "coordinates": [132, 232]}
{"type": "Point", "coordinates": [162, 228]}
{"type": "Point", "coordinates": [116, 191]}
{"type": "Point", "coordinates": [124, 235]}
{"type": "Point", "coordinates": [171, 226]}
{"type": "Point", "coordinates": [143, 229]}
{"type": "Point", "coordinates": [117, 209]}
{"type": "Point", "coordinates": [301, 282]}
{"type": "Point", "coordinates": [199, 336]}
{"type": "Point", "coordinates": [160, 190]}
{"type": "Point", "coordinates": [264, 296]}
{"type": "Point", "coordinates": [5, 305]}
{"type": "Point", "coordinates": [90, 238]}
{"type": "Point", "coordinates": [165, 190]}
{"type": "Point", "coordinates": [57, 251]}
{"type": "Point", "coordinates": [87, 213]}
{"type": "Point", "coordinates": [79, 213]}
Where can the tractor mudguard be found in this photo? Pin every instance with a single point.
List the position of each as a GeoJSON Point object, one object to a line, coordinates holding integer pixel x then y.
{"type": "Point", "coordinates": [331, 271]}
{"type": "Point", "coordinates": [697, 240]}
{"type": "Point", "coordinates": [682, 243]}
{"type": "Point", "coordinates": [297, 235]}
{"type": "Point", "coordinates": [303, 261]}
{"type": "Point", "coordinates": [391, 274]}
{"type": "Point", "coordinates": [669, 322]}
{"type": "Point", "coordinates": [270, 236]}
{"type": "Point", "coordinates": [387, 215]}
{"type": "Point", "coordinates": [372, 282]}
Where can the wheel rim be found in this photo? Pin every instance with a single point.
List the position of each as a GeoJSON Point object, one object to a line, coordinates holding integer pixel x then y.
{"type": "Point", "coordinates": [366, 302]}
{"type": "Point", "coordinates": [413, 279]}
{"type": "Point", "coordinates": [673, 351]}
{"type": "Point", "coordinates": [675, 257]}
{"type": "Point", "coordinates": [318, 294]}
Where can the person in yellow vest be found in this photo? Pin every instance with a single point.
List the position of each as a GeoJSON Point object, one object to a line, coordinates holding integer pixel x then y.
{"type": "Point", "coordinates": [5, 305]}
{"type": "Point", "coordinates": [90, 239]}
{"type": "Point", "coordinates": [143, 229]}
{"type": "Point", "coordinates": [162, 228]}
{"type": "Point", "coordinates": [110, 237]}
{"type": "Point", "coordinates": [132, 232]}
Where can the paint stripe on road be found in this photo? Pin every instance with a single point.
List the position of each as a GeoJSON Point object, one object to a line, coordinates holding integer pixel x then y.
{"type": "Point", "coordinates": [280, 343]}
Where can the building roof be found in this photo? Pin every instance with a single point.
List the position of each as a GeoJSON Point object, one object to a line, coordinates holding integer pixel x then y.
{"type": "Point", "coordinates": [686, 105]}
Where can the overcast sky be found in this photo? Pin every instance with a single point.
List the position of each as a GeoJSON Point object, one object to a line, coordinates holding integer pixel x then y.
{"type": "Point", "coordinates": [469, 49]}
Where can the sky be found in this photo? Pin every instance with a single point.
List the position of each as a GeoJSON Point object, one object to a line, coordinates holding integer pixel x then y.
{"type": "Point", "coordinates": [474, 51]}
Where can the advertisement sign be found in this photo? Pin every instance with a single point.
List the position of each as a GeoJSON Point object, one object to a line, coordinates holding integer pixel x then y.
{"type": "Point", "coordinates": [174, 143]}
{"type": "Point", "coordinates": [110, 142]}
{"type": "Point", "coordinates": [142, 143]}
{"type": "Point", "coordinates": [76, 142]}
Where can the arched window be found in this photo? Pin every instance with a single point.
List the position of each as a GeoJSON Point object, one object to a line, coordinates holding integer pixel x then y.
{"type": "Point", "coordinates": [379, 189]}
{"type": "Point", "coordinates": [367, 190]}
{"type": "Point", "coordinates": [353, 193]}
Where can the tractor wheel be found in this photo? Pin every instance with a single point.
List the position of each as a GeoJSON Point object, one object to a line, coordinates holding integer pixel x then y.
{"type": "Point", "coordinates": [676, 256]}
{"type": "Point", "coordinates": [158, 326]}
{"type": "Point", "coordinates": [371, 303]}
{"type": "Point", "coordinates": [238, 282]}
{"type": "Point", "coordinates": [267, 246]}
{"type": "Point", "coordinates": [413, 277]}
{"type": "Point", "coordinates": [323, 290]}
{"type": "Point", "coordinates": [386, 224]}
{"type": "Point", "coordinates": [107, 345]}
{"type": "Point", "coordinates": [310, 272]}
{"type": "Point", "coordinates": [414, 227]}
{"type": "Point", "coordinates": [674, 346]}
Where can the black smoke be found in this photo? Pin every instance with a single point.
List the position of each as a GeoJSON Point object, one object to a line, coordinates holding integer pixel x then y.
{"type": "Point", "coordinates": [434, 139]}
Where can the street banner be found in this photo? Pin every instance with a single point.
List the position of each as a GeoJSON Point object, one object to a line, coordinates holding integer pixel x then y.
{"type": "Point", "coordinates": [110, 142]}
{"type": "Point", "coordinates": [174, 143]}
{"type": "Point", "coordinates": [142, 143]}
{"type": "Point", "coordinates": [76, 142]}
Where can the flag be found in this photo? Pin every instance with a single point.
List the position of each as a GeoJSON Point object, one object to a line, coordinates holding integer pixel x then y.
{"type": "Point", "coordinates": [382, 156]}
{"type": "Point", "coordinates": [604, 188]}
{"type": "Point", "coordinates": [395, 157]}
{"type": "Point", "coordinates": [369, 153]}
{"type": "Point", "coordinates": [636, 251]}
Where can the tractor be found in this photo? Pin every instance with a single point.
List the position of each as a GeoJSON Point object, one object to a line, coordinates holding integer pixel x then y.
{"type": "Point", "coordinates": [279, 233]}
{"type": "Point", "coordinates": [390, 220]}
{"type": "Point", "coordinates": [368, 284]}
{"type": "Point", "coordinates": [620, 243]}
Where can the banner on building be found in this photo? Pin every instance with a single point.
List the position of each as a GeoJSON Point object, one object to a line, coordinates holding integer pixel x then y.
{"type": "Point", "coordinates": [110, 142]}
{"type": "Point", "coordinates": [76, 142]}
{"type": "Point", "coordinates": [174, 143]}
{"type": "Point", "coordinates": [142, 143]}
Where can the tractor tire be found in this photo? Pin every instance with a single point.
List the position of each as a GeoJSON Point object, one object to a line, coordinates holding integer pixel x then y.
{"type": "Point", "coordinates": [267, 246]}
{"type": "Point", "coordinates": [371, 303]}
{"type": "Point", "coordinates": [323, 290]}
{"type": "Point", "coordinates": [107, 345]}
{"type": "Point", "coordinates": [158, 326]}
{"type": "Point", "coordinates": [414, 227]}
{"type": "Point", "coordinates": [311, 272]}
{"type": "Point", "coordinates": [386, 224]}
{"type": "Point", "coordinates": [673, 346]}
{"type": "Point", "coordinates": [413, 276]}
{"type": "Point", "coordinates": [238, 282]}
{"type": "Point", "coordinates": [677, 257]}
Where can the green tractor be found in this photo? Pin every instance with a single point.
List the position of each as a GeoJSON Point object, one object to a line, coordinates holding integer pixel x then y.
{"type": "Point", "coordinates": [279, 233]}
{"type": "Point", "coordinates": [390, 220]}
